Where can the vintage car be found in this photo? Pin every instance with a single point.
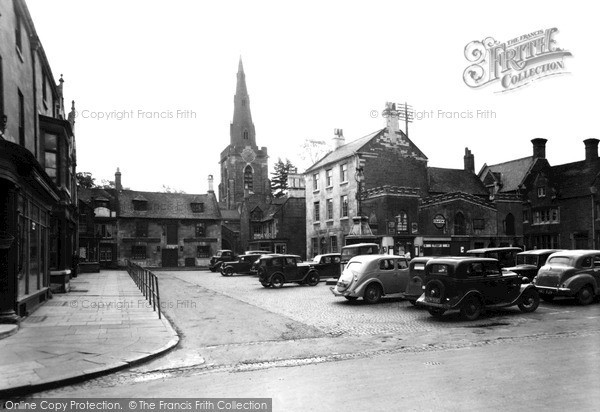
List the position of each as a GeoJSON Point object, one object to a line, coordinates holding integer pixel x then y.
{"type": "Point", "coordinates": [472, 285]}
{"type": "Point", "coordinates": [222, 256]}
{"type": "Point", "coordinates": [416, 275]}
{"type": "Point", "coordinates": [241, 266]}
{"type": "Point", "coordinates": [372, 277]}
{"type": "Point", "coordinates": [507, 256]}
{"type": "Point", "coordinates": [276, 270]}
{"type": "Point", "coordinates": [328, 265]}
{"type": "Point", "coordinates": [256, 252]}
{"type": "Point", "coordinates": [530, 261]}
{"type": "Point", "coordinates": [570, 273]}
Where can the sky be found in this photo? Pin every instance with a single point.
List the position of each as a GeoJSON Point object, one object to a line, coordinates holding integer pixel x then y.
{"type": "Point", "coordinates": [163, 75]}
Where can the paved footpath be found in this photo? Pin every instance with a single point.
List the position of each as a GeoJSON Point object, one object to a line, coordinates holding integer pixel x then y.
{"type": "Point", "coordinates": [104, 324]}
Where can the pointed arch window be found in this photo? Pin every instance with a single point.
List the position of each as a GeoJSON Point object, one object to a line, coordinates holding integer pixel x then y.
{"type": "Point", "coordinates": [245, 134]}
{"type": "Point", "coordinates": [248, 178]}
{"type": "Point", "coordinates": [460, 227]}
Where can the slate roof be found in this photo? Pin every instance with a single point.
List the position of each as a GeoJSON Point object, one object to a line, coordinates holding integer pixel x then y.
{"type": "Point", "coordinates": [168, 205]}
{"type": "Point", "coordinates": [574, 179]}
{"type": "Point", "coordinates": [344, 151]}
{"type": "Point", "coordinates": [511, 173]}
{"type": "Point", "coordinates": [97, 193]}
{"type": "Point", "coordinates": [443, 180]}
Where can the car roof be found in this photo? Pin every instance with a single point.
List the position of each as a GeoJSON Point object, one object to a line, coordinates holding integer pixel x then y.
{"type": "Point", "coordinates": [494, 249]}
{"type": "Point", "coordinates": [274, 255]}
{"type": "Point", "coordinates": [538, 251]}
{"type": "Point", "coordinates": [327, 254]}
{"type": "Point", "coordinates": [454, 260]}
{"type": "Point", "coordinates": [360, 244]}
{"type": "Point", "coordinates": [576, 253]}
{"type": "Point", "coordinates": [371, 258]}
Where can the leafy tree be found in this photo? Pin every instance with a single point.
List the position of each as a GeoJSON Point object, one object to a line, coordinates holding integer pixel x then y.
{"type": "Point", "coordinates": [85, 180]}
{"type": "Point", "coordinates": [313, 150]}
{"type": "Point", "coordinates": [169, 189]}
{"type": "Point", "coordinates": [279, 182]}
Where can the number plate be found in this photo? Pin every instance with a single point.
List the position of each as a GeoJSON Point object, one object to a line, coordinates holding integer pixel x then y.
{"type": "Point", "coordinates": [432, 300]}
{"type": "Point", "coordinates": [546, 291]}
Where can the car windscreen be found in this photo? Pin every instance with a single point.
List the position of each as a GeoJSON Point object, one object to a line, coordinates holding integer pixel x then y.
{"type": "Point", "coordinates": [559, 260]}
{"type": "Point", "coordinates": [419, 266]}
{"type": "Point", "coordinates": [527, 260]}
{"type": "Point", "coordinates": [354, 266]}
{"type": "Point", "coordinates": [349, 252]}
{"type": "Point", "coordinates": [438, 269]}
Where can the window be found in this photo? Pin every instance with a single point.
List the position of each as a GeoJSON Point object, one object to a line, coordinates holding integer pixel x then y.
{"type": "Point", "coordinates": [103, 230]}
{"type": "Point", "coordinates": [478, 224]}
{"type": "Point", "coordinates": [344, 172]}
{"type": "Point", "coordinates": [509, 225]}
{"type": "Point", "coordinates": [475, 270]}
{"type": "Point", "coordinates": [197, 207]}
{"type": "Point", "coordinates": [44, 93]}
{"type": "Point", "coordinates": [386, 264]}
{"type": "Point", "coordinates": [248, 179]}
{"type": "Point", "coordinates": [316, 212]}
{"type": "Point", "coordinates": [51, 155]}
{"type": "Point", "coordinates": [245, 135]}
{"type": "Point", "coordinates": [541, 191]}
{"type": "Point", "coordinates": [460, 228]}
{"type": "Point", "coordinates": [141, 229]}
{"type": "Point", "coordinates": [525, 216]}
{"type": "Point", "coordinates": [315, 181]}
{"type": "Point", "coordinates": [18, 35]}
{"type": "Point", "coordinates": [21, 118]}
{"type": "Point", "coordinates": [329, 177]}
{"type": "Point", "coordinates": [391, 228]}
{"type": "Point", "coordinates": [403, 264]}
{"type": "Point", "coordinates": [344, 205]}
{"type": "Point", "coordinates": [334, 243]}
{"type": "Point", "coordinates": [329, 203]}
{"type": "Point", "coordinates": [402, 222]}
{"type": "Point", "coordinates": [140, 205]}
{"type": "Point", "coordinates": [83, 223]}
{"type": "Point", "coordinates": [138, 252]}
{"type": "Point", "coordinates": [203, 251]}
{"type": "Point", "coordinates": [546, 216]}
{"type": "Point", "coordinates": [200, 230]}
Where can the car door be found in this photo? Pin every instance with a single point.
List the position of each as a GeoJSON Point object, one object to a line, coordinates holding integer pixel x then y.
{"type": "Point", "coordinates": [403, 274]}
{"type": "Point", "coordinates": [290, 269]}
{"type": "Point", "coordinates": [495, 284]}
{"type": "Point", "coordinates": [388, 275]}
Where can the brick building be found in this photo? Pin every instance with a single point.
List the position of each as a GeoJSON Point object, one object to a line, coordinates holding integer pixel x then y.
{"type": "Point", "coordinates": [38, 200]}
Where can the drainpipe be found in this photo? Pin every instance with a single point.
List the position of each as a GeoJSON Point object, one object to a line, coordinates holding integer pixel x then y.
{"type": "Point", "coordinates": [593, 191]}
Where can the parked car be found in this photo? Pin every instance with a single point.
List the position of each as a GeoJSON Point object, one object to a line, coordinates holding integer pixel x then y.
{"type": "Point", "coordinates": [349, 251]}
{"type": "Point", "coordinates": [416, 276]}
{"type": "Point", "coordinates": [570, 273]}
{"type": "Point", "coordinates": [276, 270]}
{"type": "Point", "coordinates": [507, 256]}
{"type": "Point", "coordinates": [472, 285]}
{"type": "Point", "coordinates": [328, 265]}
{"type": "Point", "coordinates": [530, 261]}
{"type": "Point", "coordinates": [222, 256]}
{"type": "Point", "coordinates": [256, 265]}
{"type": "Point", "coordinates": [241, 266]}
{"type": "Point", "coordinates": [372, 277]}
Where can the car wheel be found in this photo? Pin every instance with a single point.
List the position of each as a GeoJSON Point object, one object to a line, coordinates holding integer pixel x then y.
{"type": "Point", "coordinates": [530, 300]}
{"type": "Point", "coordinates": [471, 308]}
{"type": "Point", "coordinates": [228, 271]}
{"type": "Point", "coordinates": [435, 289]}
{"type": "Point", "coordinates": [547, 298]}
{"type": "Point", "coordinates": [372, 293]}
{"type": "Point", "coordinates": [313, 278]}
{"type": "Point", "coordinates": [436, 313]}
{"type": "Point", "coordinates": [351, 298]}
{"type": "Point", "coordinates": [585, 296]}
{"type": "Point", "coordinates": [277, 280]}
{"type": "Point", "coordinates": [265, 284]}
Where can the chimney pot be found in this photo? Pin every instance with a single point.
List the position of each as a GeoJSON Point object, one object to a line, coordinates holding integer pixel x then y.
{"type": "Point", "coordinates": [469, 161]}
{"type": "Point", "coordinates": [591, 149]}
{"type": "Point", "coordinates": [539, 147]}
{"type": "Point", "coordinates": [338, 138]}
{"type": "Point", "coordinates": [210, 184]}
{"type": "Point", "coordinates": [118, 185]}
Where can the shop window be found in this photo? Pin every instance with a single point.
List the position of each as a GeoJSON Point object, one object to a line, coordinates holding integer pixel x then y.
{"type": "Point", "coordinates": [138, 252]}
{"type": "Point", "coordinates": [402, 222]}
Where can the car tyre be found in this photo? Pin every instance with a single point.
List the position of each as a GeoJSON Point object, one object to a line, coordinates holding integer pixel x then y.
{"type": "Point", "coordinates": [435, 288]}
{"type": "Point", "coordinates": [372, 293]}
{"type": "Point", "coordinates": [265, 284]}
{"type": "Point", "coordinates": [313, 278]}
{"type": "Point", "coordinates": [436, 312]}
{"type": "Point", "coordinates": [228, 271]}
{"type": "Point", "coordinates": [277, 280]}
{"type": "Point", "coordinates": [585, 296]}
{"type": "Point", "coordinates": [530, 300]}
{"type": "Point", "coordinates": [547, 298]}
{"type": "Point", "coordinates": [471, 308]}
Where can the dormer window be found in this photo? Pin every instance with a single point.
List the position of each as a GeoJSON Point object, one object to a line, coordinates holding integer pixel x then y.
{"type": "Point", "coordinates": [541, 191]}
{"type": "Point", "coordinates": [140, 205]}
{"type": "Point", "coordinates": [197, 207]}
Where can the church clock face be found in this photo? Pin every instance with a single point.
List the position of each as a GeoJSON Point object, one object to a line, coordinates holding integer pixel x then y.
{"type": "Point", "coordinates": [248, 155]}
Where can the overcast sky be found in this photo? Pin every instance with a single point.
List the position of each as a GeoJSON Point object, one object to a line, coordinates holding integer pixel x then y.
{"type": "Point", "coordinates": [310, 67]}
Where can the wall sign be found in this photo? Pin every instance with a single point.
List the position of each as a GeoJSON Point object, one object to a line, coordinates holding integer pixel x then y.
{"type": "Point", "coordinates": [439, 221]}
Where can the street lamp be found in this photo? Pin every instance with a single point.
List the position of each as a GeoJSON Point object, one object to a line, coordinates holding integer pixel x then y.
{"type": "Point", "coordinates": [360, 178]}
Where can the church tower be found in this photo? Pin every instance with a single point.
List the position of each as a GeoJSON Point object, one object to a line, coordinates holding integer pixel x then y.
{"type": "Point", "coordinates": [244, 167]}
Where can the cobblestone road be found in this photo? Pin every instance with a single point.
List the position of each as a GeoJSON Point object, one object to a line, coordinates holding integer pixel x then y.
{"type": "Point", "coordinates": [318, 307]}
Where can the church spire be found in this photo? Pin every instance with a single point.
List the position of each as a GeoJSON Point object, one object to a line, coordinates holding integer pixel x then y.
{"type": "Point", "coordinates": [242, 128]}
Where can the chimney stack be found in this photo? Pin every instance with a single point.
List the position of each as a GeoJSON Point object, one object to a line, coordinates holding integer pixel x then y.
{"type": "Point", "coordinates": [210, 184]}
{"type": "Point", "coordinates": [391, 115]}
{"type": "Point", "coordinates": [338, 138]}
{"type": "Point", "coordinates": [118, 185]}
{"type": "Point", "coordinates": [469, 161]}
{"type": "Point", "coordinates": [591, 150]}
{"type": "Point", "coordinates": [539, 148]}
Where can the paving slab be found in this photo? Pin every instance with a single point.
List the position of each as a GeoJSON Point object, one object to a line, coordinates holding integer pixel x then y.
{"type": "Point", "coordinates": [102, 326]}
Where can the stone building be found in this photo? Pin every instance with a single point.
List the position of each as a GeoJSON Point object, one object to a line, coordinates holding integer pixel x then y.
{"type": "Point", "coordinates": [38, 200]}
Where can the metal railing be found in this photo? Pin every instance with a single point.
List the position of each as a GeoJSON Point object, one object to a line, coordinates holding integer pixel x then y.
{"type": "Point", "coordinates": [147, 282]}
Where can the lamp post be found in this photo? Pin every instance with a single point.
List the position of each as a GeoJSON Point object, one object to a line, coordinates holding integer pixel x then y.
{"type": "Point", "coordinates": [359, 177]}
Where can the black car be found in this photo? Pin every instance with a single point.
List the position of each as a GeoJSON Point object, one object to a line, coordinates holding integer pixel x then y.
{"type": "Point", "coordinates": [530, 262]}
{"type": "Point", "coordinates": [241, 266]}
{"type": "Point", "coordinates": [328, 265]}
{"type": "Point", "coordinates": [275, 270]}
{"type": "Point", "coordinates": [473, 284]}
{"type": "Point", "coordinates": [507, 256]}
{"type": "Point", "coordinates": [222, 256]}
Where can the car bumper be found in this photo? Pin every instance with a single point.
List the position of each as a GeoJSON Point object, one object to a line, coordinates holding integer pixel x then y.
{"type": "Point", "coordinates": [427, 302]}
{"type": "Point", "coordinates": [336, 292]}
{"type": "Point", "coordinates": [552, 291]}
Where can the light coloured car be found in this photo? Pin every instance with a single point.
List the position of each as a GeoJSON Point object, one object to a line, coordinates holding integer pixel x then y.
{"type": "Point", "coordinates": [372, 277]}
